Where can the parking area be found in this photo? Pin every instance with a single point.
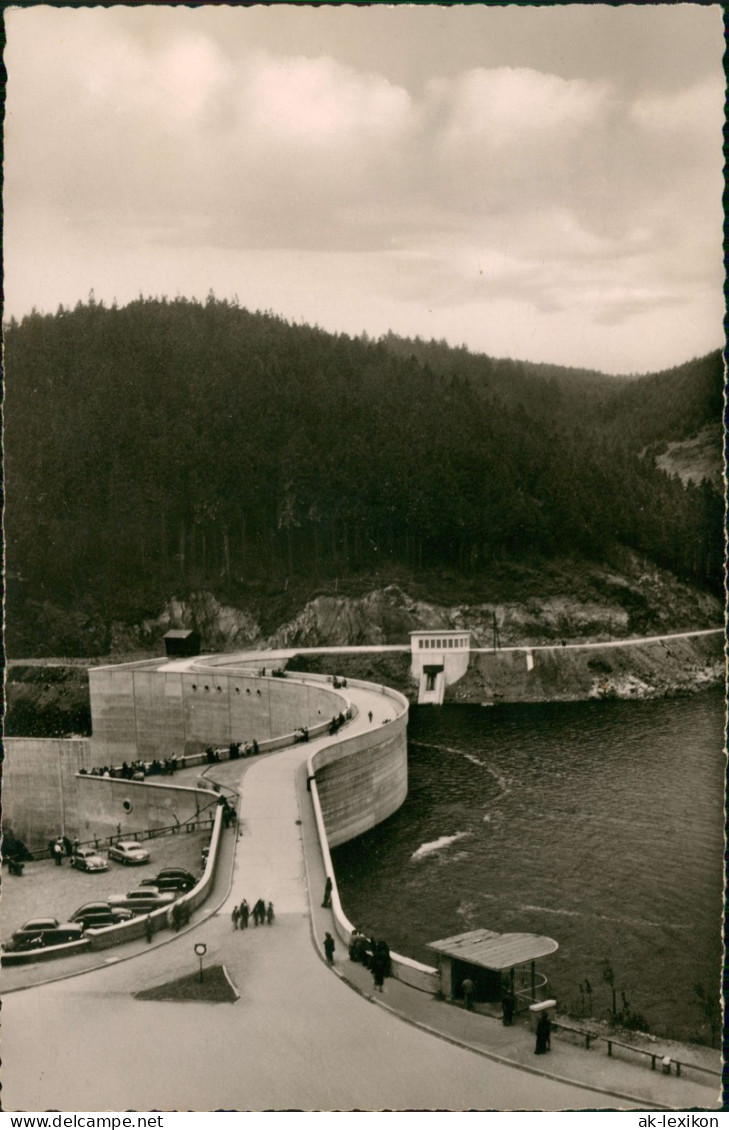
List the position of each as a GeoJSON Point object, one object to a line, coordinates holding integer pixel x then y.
{"type": "Point", "coordinates": [45, 890]}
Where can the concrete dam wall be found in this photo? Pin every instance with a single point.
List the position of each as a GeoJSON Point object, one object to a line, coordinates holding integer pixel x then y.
{"type": "Point", "coordinates": [155, 710]}
{"type": "Point", "coordinates": [147, 710]}
{"type": "Point", "coordinates": [364, 779]}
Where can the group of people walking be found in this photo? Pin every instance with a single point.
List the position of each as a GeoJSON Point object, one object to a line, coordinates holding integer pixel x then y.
{"type": "Point", "coordinates": [375, 955]}
{"type": "Point", "coordinates": [261, 913]}
{"type": "Point", "coordinates": [135, 770]}
{"type": "Point", "coordinates": [230, 815]}
{"type": "Point", "coordinates": [337, 722]}
{"type": "Point", "coordinates": [238, 749]}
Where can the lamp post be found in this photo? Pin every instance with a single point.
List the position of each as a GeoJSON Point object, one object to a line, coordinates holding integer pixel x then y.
{"type": "Point", "coordinates": [201, 949]}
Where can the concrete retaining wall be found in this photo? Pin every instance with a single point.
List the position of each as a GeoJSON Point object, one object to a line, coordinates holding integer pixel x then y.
{"type": "Point", "coordinates": [47, 953]}
{"type": "Point", "coordinates": [112, 806]}
{"type": "Point", "coordinates": [40, 798]}
{"type": "Point", "coordinates": [44, 795]}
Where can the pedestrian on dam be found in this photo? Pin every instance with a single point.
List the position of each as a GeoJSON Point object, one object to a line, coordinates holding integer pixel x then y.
{"type": "Point", "coordinates": [379, 966]}
{"type": "Point", "coordinates": [468, 989]}
{"type": "Point", "coordinates": [384, 950]}
{"type": "Point", "coordinates": [327, 893]}
{"type": "Point", "coordinates": [544, 1030]}
{"type": "Point", "coordinates": [244, 915]}
{"type": "Point", "coordinates": [259, 913]}
{"type": "Point", "coordinates": [58, 853]}
{"type": "Point", "coordinates": [355, 945]}
{"type": "Point", "coordinates": [369, 715]}
{"type": "Point", "coordinates": [507, 1009]}
{"type": "Point", "coordinates": [269, 914]}
{"type": "Point", "coordinates": [329, 948]}
{"type": "Point", "coordinates": [148, 928]}
{"type": "Point", "coordinates": [235, 916]}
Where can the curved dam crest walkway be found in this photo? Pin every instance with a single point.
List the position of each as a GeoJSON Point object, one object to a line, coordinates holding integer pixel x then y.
{"type": "Point", "coordinates": [299, 1037]}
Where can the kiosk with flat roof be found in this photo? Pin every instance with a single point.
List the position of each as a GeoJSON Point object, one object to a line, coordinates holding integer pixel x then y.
{"type": "Point", "coordinates": [496, 963]}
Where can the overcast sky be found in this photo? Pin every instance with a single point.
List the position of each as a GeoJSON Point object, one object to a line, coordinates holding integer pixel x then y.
{"type": "Point", "coordinates": [540, 183]}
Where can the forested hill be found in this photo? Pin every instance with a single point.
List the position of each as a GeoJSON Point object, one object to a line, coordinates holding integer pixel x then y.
{"type": "Point", "coordinates": [171, 444]}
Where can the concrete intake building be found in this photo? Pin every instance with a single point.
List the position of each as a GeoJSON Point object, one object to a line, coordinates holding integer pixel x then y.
{"type": "Point", "coordinates": [439, 658]}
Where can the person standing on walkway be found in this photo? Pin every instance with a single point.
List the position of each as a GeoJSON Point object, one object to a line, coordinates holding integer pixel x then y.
{"type": "Point", "coordinates": [269, 914]}
{"type": "Point", "coordinates": [468, 989]}
{"type": "Point", "coordinates": [244, 914]}
{"type": "Point", "coordinates": [544, 1029]}
{"type": "Point", "coordinates": [369, 715]}
{"type": "Point", "coordinates": [58, 853]}
{"type": "Point", "coordinates": [379, 964]}
{"type": "Point", "coordinates": [507, 1009]}
{"type": "Point", "coordinates": [148, 928]}
{"type": "Point", "coordinates": [355, 945]}
{"type": "Point", "coordinates": [329, 948]}
{"type": "Point", "coordinates": [259, 913]}
{"type": "Point", "coordinates": [327, 893]}
{"type": "Point", "coordinates": [235, 916]}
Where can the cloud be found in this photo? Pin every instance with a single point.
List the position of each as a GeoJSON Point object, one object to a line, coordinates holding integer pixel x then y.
{"type": "Point", "coordinates": [507, 108]}
{"type": "Point", "coordinates": [697, 108]}
{"type": "Point", "coordinates": [501, 184]}
{"type": "Point", "coordinates": [315, 104]}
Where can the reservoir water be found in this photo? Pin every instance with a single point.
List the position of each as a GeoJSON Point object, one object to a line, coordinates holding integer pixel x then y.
{"type": "Point", "coordinates": [599, 824]}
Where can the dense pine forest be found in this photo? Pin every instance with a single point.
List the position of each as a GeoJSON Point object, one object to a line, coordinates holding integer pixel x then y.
{"type": "Point", "coordinates": [170, 445]}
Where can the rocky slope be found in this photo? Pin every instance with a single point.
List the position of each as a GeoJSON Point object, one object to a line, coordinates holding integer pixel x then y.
{"type": "Point", "coordinates": [697, 458]}
{"type": "Point", "coordinates": [510, 607]}
{"type": "Point", "coordinates": [595, 605]}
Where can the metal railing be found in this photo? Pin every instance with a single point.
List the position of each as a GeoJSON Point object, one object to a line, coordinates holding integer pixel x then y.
{"type": "Point", "coordinates": [199, 822]}
{"type": "Point", "coordinates": [524, 995]}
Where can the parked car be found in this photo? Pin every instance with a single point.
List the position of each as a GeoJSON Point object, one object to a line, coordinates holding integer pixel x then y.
{"type": "Point", "coordinates": [142, 900]}
{"type": "Point", "coordinates": [171, 879]}
{"type": "Point", "coordinates": [128, 851]}
{"type": "Point", "coordinates": [88, 859]}
{"type": "Point", "coordinates": [41, 932]}
{"type": "Point", "coordinates": [98, 914]}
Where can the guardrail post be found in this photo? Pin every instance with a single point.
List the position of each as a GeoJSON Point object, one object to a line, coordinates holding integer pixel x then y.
{"type": "Point", "coordinates": [653, 1063]}
{"type": "Point", "coordinates": [610, 1047]}
{"type": "Point", "coordinates": [678, 1068]}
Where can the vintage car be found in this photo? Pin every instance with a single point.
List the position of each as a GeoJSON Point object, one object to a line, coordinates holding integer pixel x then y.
{"type": "Point", "coordinates": [40, 932]}
{"type": "Point", "coordinates": [88, 859]}
{"type": "Point", "coordinates": [171, 879]}
{"type": "Point", "coordinates": [94, 915]}
{"type": "Point", "coordinates": [128, 851]}
{"type": "Point", "coordinates": [142, 900]}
